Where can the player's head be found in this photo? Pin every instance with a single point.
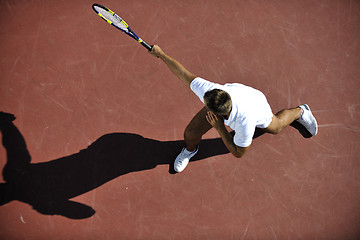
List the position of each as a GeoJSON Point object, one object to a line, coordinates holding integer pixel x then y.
{"type": "Point", "coordinates": [218, 101]}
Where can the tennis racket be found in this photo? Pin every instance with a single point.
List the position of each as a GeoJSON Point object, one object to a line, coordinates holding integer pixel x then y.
{"type": "Point", "coordinates": [116, 21]}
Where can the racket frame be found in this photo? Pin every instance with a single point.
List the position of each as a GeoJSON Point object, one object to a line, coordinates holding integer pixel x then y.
{"type": "Point", "coordinates": [130, 32]}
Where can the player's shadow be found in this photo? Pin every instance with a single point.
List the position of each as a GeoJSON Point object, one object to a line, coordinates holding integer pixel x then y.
{"type": "Point", "coordinates": [48, 186]}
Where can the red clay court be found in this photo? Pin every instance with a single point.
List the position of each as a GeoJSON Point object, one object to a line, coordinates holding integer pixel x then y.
{"type": "Point", "coordinates": [73, 81]}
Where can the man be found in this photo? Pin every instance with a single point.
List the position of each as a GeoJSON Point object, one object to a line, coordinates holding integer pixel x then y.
{"type": "Point", "coordinates": [240, 107]}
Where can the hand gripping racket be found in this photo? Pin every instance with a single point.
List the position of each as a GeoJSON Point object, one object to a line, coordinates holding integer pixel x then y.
{"type": "Point", "coordinates": [116, 21]}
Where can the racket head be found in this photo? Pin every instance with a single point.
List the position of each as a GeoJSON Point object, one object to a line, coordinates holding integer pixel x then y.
{"type": "Point", "coordinates": [111, 17]}
{"type": "Point", "coordinates": [115, 20]}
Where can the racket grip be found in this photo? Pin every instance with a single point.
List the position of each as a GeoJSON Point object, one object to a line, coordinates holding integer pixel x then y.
{"type": "Point", "coordinates": [147, 46]}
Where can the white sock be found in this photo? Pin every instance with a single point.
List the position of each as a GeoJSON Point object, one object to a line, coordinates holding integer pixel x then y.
{"type": "Point", "coordinates": [188, 152]}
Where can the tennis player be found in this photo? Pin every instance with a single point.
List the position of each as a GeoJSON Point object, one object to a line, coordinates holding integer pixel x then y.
{"type": "Point", "coordinates": [240, 107]}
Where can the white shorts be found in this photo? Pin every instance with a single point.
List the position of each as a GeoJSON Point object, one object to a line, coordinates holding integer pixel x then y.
{"type": "Point", "coordinates": [264, 123]}
{"type": "Point", "coordinates": [266, 112]}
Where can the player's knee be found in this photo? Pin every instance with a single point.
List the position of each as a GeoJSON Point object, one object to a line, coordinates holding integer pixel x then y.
{"type": "Point", "coordinates": [276, 131]}
{"type": "Point", "coordinates": [275, 127]}
{"type": "Point", "coordinates": [273, 130]}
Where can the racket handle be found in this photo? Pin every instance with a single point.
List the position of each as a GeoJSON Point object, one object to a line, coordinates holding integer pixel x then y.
{"type": "Point", "coordinates": [146, 45]}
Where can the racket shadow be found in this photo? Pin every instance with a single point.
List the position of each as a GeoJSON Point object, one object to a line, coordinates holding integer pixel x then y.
{"type": "Point", "coordinates": [49, 186]}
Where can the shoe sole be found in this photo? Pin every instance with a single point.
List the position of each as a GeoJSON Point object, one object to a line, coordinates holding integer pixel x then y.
{"type": "Point", "coordinates": [316, 125]}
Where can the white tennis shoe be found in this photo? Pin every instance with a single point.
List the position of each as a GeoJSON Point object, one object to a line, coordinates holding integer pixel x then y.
{"type": "Point", "coordinates": [182, 160]}
{"type": "Point", "coordinates": [308, 120]}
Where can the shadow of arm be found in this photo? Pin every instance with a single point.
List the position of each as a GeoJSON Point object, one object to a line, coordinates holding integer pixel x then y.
{"type": "Point", "coordinates": [66, 208]}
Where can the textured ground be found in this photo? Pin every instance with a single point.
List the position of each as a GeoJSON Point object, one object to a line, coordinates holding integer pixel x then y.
{"type": "Point", "coordinates": [70, 78]}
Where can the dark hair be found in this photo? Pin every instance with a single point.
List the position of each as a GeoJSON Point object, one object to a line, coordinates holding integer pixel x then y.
{"type": "Point", "coordinates": [218, 101]}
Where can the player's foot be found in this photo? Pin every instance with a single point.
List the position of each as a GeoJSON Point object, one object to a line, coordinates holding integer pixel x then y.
{"type": "Point", "coordinates": [183, 159]}
{"type": "Point", "coordinates": [308, 120]}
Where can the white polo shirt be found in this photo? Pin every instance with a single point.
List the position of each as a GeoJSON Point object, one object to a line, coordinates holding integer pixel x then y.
{"type": "Point", "coordinates": [250, 108]}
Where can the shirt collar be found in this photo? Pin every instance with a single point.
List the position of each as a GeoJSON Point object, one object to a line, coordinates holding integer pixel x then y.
{"type": "Point", "coordinates": [232, 114]}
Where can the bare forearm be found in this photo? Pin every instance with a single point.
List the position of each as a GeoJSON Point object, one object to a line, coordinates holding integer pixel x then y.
{"type": "Point", "coordinates": [178, 69]}
{"type": "Point", "coordinates": [218, 123]}
{"type": "Point", "coordinates": [228, 140]}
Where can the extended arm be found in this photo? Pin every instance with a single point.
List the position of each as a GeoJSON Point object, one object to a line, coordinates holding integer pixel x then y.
{"type": "Point", "coordinates": [176, 68]}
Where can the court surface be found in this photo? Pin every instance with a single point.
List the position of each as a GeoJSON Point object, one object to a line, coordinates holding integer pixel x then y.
{"type": "Point", "coordinates": [73, 81]}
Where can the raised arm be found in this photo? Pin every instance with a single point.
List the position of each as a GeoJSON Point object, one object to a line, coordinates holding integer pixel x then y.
{"type": "Point", "coordinates": [176, 68]}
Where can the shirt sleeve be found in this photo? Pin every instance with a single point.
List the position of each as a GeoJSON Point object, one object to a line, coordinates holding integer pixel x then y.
{"type": "Point", "coordinates": [200, 86]}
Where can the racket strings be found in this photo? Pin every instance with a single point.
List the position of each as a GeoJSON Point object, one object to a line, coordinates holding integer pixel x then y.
{"type": "Point", "coordinates": [112, 18]}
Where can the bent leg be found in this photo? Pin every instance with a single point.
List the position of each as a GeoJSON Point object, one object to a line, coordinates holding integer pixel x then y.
{"type": "Point", "coordinates": [197, 127]}
{"type": "Point", "coordinates": [283, 119]}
